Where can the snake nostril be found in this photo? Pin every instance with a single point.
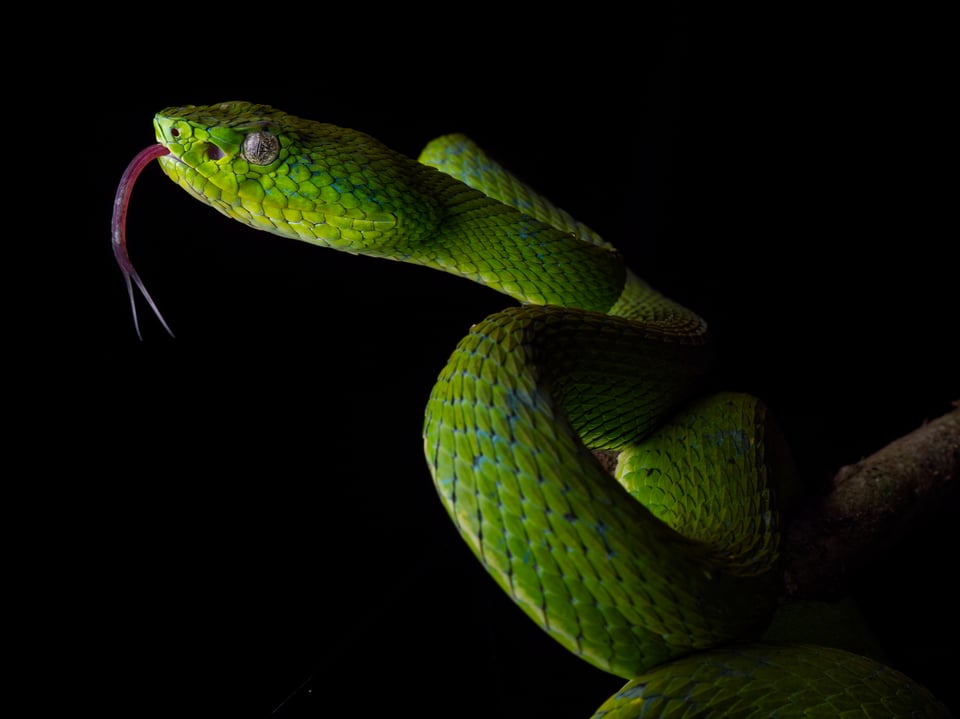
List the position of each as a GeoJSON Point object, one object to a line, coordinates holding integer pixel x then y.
{"type": "Point", "coordinates": [214, 152]}
{"type": "Point", "coordinates": [174, 132]}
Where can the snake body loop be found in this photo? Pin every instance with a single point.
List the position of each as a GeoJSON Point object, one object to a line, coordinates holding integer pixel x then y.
{"type": "Point", "coordinates": [665, 574]}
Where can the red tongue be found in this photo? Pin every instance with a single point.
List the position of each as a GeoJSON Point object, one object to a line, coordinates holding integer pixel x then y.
{"type": "Point", "coordinates": [119, 230]}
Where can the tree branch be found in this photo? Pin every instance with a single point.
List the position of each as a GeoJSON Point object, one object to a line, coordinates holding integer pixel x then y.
{"type": "Point", "coordinates": [872, 504]}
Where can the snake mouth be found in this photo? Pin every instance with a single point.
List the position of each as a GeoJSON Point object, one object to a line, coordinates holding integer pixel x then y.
{"type": "Point", "coordinates": [170, 158]}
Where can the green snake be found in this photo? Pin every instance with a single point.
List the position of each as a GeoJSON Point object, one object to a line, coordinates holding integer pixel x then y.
{"type": "Point", "coordinates": [659, 564]}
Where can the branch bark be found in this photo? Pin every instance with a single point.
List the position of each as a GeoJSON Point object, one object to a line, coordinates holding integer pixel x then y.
{"type": "Point", "coordinates": [871, 505]}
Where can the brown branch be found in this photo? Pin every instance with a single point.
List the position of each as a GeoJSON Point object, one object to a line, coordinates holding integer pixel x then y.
{"type": "Point", "coordinates": [871, 505]}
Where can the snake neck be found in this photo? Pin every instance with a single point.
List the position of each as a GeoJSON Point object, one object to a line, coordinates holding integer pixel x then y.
{"type": "Point", "coordinates": [512, 252]}
{"type": "Point", "coordinates": [457, 156]}
{"type": "Point", "coordinates": [489, 241]}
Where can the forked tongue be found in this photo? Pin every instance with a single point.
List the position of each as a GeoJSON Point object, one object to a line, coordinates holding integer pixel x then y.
{"type": "Point", "coordinates": [119, 231]}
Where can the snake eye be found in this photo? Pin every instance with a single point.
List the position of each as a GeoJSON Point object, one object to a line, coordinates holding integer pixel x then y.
{"type": "Point", "coordinates": [261, 148]}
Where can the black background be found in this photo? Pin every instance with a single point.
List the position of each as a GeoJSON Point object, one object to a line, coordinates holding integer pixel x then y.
{"type": "Point", "coordinates": [239, 521]}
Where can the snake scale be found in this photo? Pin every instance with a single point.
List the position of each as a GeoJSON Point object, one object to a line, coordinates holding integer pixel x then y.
{"type": "Point", "coordinates": [660, 566]}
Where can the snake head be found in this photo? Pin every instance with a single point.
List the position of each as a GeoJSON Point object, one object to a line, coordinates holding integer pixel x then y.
{"type": "Point", "coordinates": [296, 178]}
{"type": "Point", "coordinates": [220, 153]}
{"type": "Point", "coordinates": [300, 179]}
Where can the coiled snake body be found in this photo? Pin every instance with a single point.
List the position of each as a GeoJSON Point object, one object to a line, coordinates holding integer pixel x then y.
{"type": "Point", "coordinates": [663, 571]}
